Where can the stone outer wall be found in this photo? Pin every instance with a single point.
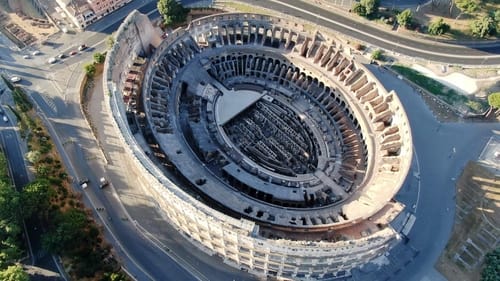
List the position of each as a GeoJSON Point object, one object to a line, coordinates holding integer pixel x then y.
{"type": "Point", "coordinates": [216, 233]}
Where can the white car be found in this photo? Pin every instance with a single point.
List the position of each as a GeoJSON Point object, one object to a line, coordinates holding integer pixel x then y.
{"type": "Point", "coordinates": [36, 53]}
{"type": "Point", "coordinates": [5, 119]}
{"type": "Point", "coordinates": [52, 60]}
{"type": "Point", "coordinates": [15, 79]}
{"type": "Point", "coordinates": [26, 57]}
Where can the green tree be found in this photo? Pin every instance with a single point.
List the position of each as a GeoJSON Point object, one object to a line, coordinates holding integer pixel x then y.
{"type": "Point", "coordinates": [494, 100]}
{"type": "Point", "coordinates": [89, 70]}
{"type": "Point", "coordinates": [171, 11]}
{"type": "Point", "coordinates": [496, 16]}
{"type": "Point", "coordinates": [10, 205]}
{"type": "Point", "coordinates": [99, 57]}
{"type": "Point", "coordinates": [69, 227]}
{"type": "Point", "coordinates": [359, 9]}
{"type": "Point", "coordinates": [491, 270]}
{"type": "Point", "coordinates": [405, 18]}
{"type": "Point", "coordinates": [438, 27]}
{"type": "Point", "coordinates": [33, 156]}
{"type": "Point", "coordinates": [36, 197]}
{"type": "Point", "coordinates": [484, 26]}
{"type": "Point", "coordinates": [377, 55]}
{"type": "Point", "coordinates": [42, 170]}
{"type": "Point", "coordinates": [14, 273]}
{"type": "Point", "coordinates": [467, 6]}
{"type": "Point", "coordinates": [371, 6]}
{"type": "Point", "coordinates": [110, 41]}
{"type": "Point", "coordinates": [10, 224]}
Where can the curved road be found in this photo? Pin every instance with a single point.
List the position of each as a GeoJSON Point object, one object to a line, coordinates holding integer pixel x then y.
{"type": "Point", "coordinates": [483, 53]}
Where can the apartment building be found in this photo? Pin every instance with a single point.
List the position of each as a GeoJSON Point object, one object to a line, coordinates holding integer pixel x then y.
{"type": "Point", "coordinates": [103, 7]}
{"type": "Point", "coordinates": [84, 12]}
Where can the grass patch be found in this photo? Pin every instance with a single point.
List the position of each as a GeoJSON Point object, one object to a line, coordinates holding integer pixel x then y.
{"type": "Point", "coordinates": [440, 90]}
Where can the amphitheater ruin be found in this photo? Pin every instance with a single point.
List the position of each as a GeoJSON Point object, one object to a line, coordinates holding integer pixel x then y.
{"type": "Point", "coordinates": [264, 143]}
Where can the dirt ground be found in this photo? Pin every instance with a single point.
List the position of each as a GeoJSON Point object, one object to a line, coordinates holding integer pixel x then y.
{"type": "Point", "coordinates": [477, 224]}
{"type": "Point", "coordinates": [25, 17]}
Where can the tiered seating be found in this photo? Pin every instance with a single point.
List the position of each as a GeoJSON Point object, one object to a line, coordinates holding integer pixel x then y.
{"type": "Point", "coordinates": [162, 79]}
{"type": "Point", "coordinates": [353, 164]}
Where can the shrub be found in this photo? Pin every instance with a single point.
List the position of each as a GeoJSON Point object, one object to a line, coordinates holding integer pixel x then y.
{"type": "Point", "coordinates": [405, 18]}
{"type": "Point", "coordinates": [484, 26]}
{"type": "Point", "coordinates": [99, 57]}
{"type": "Point", "coordinates": [377, 55]}
{"type": "Point", "coordinates": [494, 100]}
{"type": "Point", "coordinates": [438, 27]}
{"type": "Point", "coordinates": [90, 70]}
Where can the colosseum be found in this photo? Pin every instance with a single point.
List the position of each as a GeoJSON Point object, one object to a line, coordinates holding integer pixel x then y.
{"type": "Point", "coordinates": [264, 143]}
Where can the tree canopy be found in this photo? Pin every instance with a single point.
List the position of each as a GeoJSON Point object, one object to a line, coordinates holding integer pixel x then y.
{"type": "Point", "coordinates": [359, 9]}
{"type": "Point", "coordinates": [36, 197]}
{"type": "Point", "coordinates": [70, 227]}
{"type": "Point", "coordinates": [14, 273]}
{"type": "Point", "coordinates": [494, 100]}
{"type": "Point", "coordinates": [438, 27]}
{"type": "Point", "coordinates": [484, 26]}
{"type": "Point", "coordinates": [366, 8]}
{"type": "Point", "coordinates": [491, 270]}
{"type": "Point", "coordinates": [89, 70]}
{"type": "Point", "coordinates": [371, 6]}
{"type": "Point", "coordinates": [99, 57]}
{"type": "Point", "coordinates": [10, 223]}
{"type": "Point", "coordinates": [467, 6]}
{"type": "Point", "coordinates": [377, 55]}
{"type": "Point", "coordinates": [171, 11]}
{"type": "Point", "coordinates": [405, 18]}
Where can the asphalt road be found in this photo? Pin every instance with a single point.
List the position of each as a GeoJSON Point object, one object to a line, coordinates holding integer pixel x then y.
{"type": "Point", "coordinates": [439, 167]}
{"type": "Point", "coordinates": [472, 54]}
{"type": "Point", "coordinates": [54, 87]}
{"type": "Point", "coordinates": [14, 156]}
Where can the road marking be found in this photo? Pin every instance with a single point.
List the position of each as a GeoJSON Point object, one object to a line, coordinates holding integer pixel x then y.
{"type": "Point", "coordinates": [419, 177]}
{"type": "Point", "coordinates": [184, 264]}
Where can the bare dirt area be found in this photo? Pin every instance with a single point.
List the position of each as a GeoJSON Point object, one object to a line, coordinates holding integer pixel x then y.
{"type": "Point", "coordinates": [459, 21]}
{"type": "Point", "coordinates": [21, 22]}
{"type": "Point", "coordinates": [477, 224]}
{"type": "Point", "coordinates": [441, 9]}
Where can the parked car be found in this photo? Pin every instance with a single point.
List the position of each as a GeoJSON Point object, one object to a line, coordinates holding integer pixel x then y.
{"type": "Point", "coordinates": [82, 47]}
{"type": "Point", "coordinates": [26, 57]}
{"type": "Point", "coordinates": [61, 56]}
{"type": "Point", "coordinates": [52, 60]}
{"type": "Point", "coordinates": [5, 119]}
{"type": "Point", "coordinates": [72, 53]}
{"type": "Point", "coordinates": [36, 53]}
{"type": "Point", "coordinates": [103, 182]}
{"type": "Point", "coordinates": [15, 79]}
